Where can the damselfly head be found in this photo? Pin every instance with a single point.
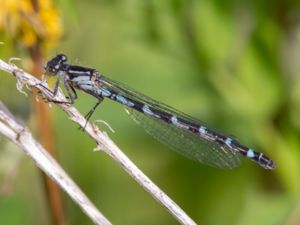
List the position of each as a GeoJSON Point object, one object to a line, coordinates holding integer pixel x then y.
{"type": "Point", "coordinates": [54, 65]}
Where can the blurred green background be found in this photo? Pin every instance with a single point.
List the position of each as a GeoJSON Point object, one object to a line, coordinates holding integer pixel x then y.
{"type": "Point", "coordinates": [234, 65]}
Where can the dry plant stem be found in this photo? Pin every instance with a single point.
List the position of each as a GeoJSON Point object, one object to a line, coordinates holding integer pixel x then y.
{"type": "Point", "coordinates": [103, 142]}
{"type": "Point", "coordinates": [21, 136]}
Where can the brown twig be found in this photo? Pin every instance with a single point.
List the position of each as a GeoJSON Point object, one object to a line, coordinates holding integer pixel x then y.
{"type": "Point", "coordinates": [21, 136]}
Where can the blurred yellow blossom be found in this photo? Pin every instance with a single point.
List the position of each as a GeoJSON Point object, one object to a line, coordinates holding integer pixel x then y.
{"type": "Point", "coordinates": [28, 23]}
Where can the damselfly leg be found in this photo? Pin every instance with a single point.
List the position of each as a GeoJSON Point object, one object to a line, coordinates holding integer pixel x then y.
{"type": "Point", "coordinates": [47, 100]}
{"type": "Point", "coordinates": [90, 113]}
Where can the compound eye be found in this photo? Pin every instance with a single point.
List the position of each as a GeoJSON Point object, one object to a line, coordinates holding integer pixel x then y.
{"type": "Point", "coordinates": [63, 58]}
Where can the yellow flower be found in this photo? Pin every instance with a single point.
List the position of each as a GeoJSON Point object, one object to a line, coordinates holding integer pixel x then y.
{"type": "Point", "coordinates": [22, 21]}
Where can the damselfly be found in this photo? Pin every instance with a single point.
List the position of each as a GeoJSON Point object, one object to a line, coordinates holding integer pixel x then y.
{"type": "Point", "coordinates": [181, 132]}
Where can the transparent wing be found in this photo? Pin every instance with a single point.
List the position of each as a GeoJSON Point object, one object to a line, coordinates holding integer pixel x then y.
{"type": "Point", "coordinates": [182, 141]}
{"type": "Point", "coordinates": [187, 143]}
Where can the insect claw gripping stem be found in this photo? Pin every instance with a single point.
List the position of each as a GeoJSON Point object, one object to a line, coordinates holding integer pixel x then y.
{"type": "Point", "coordinates": [47, 100]}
